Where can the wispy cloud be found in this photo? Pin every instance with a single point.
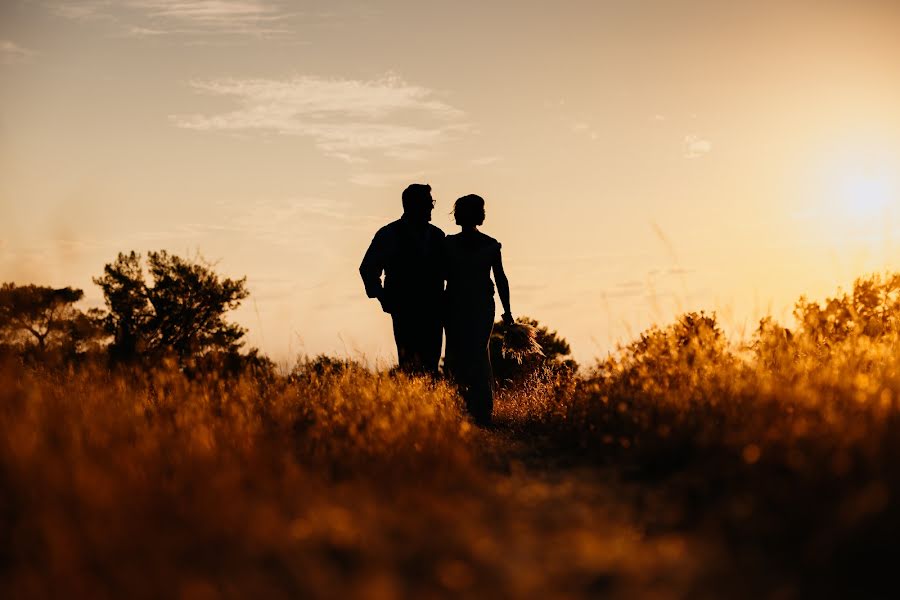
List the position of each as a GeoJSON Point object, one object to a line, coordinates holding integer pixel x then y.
{"type": "Point", "coordinates": [583, 128]}
{"type": "Point", "coordinates": [228, 16]}
{"type": "Point", "coordinates": [12, 53]}
{"type": "Point", "coordinates": [579, 126]}
{"type": "Point", "coordinates": [695, 146]}
{"type": "Point", "coordinates": [83, 10]}
{"type": "Point", "coordinates": [346, 118]}
{"type": "Point", "coordinates": [168, 17]}
{"type": "Point", "coordinates": [484, 161]}
{"type": "Point", "coordinates": [269, 219]}
{"type": "Point", "coordinates": [381, 180]}
{"type": "Point", "coordinates": [280, 222]}
{"type": "Point", "coordinates": [626, 289]}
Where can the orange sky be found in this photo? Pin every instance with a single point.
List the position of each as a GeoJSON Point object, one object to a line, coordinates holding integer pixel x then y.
{"type": "Point", "coordinates": [638, 158]}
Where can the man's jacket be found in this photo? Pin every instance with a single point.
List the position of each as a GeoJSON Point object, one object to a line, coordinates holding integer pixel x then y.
{"type": "Point", "coordinates": [410, 256]}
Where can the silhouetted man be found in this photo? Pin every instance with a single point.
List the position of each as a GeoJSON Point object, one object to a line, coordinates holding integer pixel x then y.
{"type": "Point", "coordinates": [408, 252]}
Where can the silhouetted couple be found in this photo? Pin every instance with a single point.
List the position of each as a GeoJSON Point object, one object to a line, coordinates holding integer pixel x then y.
{"type": "Point", "coordinates": [417, 259]}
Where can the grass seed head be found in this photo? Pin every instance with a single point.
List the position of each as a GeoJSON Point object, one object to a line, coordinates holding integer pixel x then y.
{"type": "Point", "coordinates": [520, 342]}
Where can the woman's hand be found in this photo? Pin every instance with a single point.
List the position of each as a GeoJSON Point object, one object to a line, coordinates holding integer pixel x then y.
{"type": "Point", "coordinates": [508, 318]}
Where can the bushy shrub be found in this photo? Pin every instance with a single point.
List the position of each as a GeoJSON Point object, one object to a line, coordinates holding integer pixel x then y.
{"type": "Point", "coordinates": [555, 357]}
{"type": "Point", "coordinates": [800, 434]}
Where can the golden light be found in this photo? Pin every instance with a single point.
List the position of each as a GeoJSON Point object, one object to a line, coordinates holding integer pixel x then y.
{"type": "Point", "coordinates": [865, 196]}
{"type": "Point", "coordinates": [858, 189]}
{"type": "Point", "coordinates": [851, 205]}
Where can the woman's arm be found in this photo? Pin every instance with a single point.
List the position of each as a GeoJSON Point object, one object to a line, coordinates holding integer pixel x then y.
{"type": "Point", "coordinates": [502, 286]}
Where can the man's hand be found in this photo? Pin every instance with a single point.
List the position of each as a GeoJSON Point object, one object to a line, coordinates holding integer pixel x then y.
{"type": "Point", "coordinates": [508, 319]}
{"type": "Point", "coordinates": [384, 303]}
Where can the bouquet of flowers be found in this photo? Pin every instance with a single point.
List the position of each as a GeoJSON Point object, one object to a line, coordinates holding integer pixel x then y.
{"type": "Point", "coordinates": [520, 341]}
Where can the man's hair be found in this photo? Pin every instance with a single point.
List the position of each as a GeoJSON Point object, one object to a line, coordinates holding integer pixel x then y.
{"type": "Point", "coordinates": [469, 210]}
{"type": "Point", "coordinates": [414, 194]}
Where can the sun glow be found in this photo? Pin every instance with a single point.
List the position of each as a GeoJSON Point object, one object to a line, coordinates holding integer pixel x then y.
{"type": "Point", "coordinates": [866, 196]}
{"type": "Point", "coordinates": [851, 209]}
{"type": "Point", "coordinates": [857, 192]}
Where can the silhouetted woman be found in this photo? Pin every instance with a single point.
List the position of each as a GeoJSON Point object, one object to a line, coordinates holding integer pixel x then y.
{"type": "Point", "coordinates": [471, 256]}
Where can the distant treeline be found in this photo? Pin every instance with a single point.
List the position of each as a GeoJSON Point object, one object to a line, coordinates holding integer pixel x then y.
{"type": "Point", "coordinates": [164, 308]}
{"type": "Point", "coordinates": [168, 308]}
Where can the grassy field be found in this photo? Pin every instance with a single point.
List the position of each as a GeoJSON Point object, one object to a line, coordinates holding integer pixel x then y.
{"type": "Point", "coordinates": [684, 466]}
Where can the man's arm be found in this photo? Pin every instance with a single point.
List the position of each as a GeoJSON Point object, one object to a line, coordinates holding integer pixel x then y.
{"type": "Point", "coordinates": [441, 254]}
{"type": "Point", "coordinates": [373, 264]}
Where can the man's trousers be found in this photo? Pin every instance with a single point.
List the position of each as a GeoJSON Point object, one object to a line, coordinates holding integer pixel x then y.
{"type": "Point", "coordinates": [419, 335]}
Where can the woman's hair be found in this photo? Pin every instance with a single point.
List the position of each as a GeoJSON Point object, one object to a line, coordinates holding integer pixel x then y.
{"type": "Point", "coordinates": [469, 210]}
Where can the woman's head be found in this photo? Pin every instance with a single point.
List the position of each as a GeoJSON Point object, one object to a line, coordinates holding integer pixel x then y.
{"type": "Point", "coordinates": [469, 211]}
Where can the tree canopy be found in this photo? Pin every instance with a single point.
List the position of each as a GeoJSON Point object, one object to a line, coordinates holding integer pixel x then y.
{"type": "Point", "coordinates": [44, 317]}
{"type": "Point", "coordinates": [178, 308]}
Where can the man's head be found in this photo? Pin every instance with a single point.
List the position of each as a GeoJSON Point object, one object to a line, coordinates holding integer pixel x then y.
{"type": "Point", "coordinates": [417, 202]}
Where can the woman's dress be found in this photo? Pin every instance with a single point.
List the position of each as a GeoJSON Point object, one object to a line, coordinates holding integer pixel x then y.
{"type": "Point", "coordinates": [470, 318]}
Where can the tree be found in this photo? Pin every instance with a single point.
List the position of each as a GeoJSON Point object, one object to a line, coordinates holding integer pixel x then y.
{"type": "Point", "coordinates": [557, 354]}
{"type": "Point", "coordinates": [46, 317]}
{"type": "Point", "coordinates": [180, 312]}
{"type": "Point", "coordinates": [872, 310]}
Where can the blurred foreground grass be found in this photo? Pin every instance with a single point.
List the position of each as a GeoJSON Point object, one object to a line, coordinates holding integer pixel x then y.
{"type": "Point", "coordinates": [343, 484]}
{"type": "Point", "coordinates": [684, 466]}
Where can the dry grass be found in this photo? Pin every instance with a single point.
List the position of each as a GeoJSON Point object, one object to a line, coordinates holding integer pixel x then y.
{"type": "Point", "coordinates": [785, 451]}
{"type": "Point", "coordinates": [520, 342]}
{"type": "Point", "coordinates": [337, 484]}
{"type": "Point", "coordinates": [684, 466]}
